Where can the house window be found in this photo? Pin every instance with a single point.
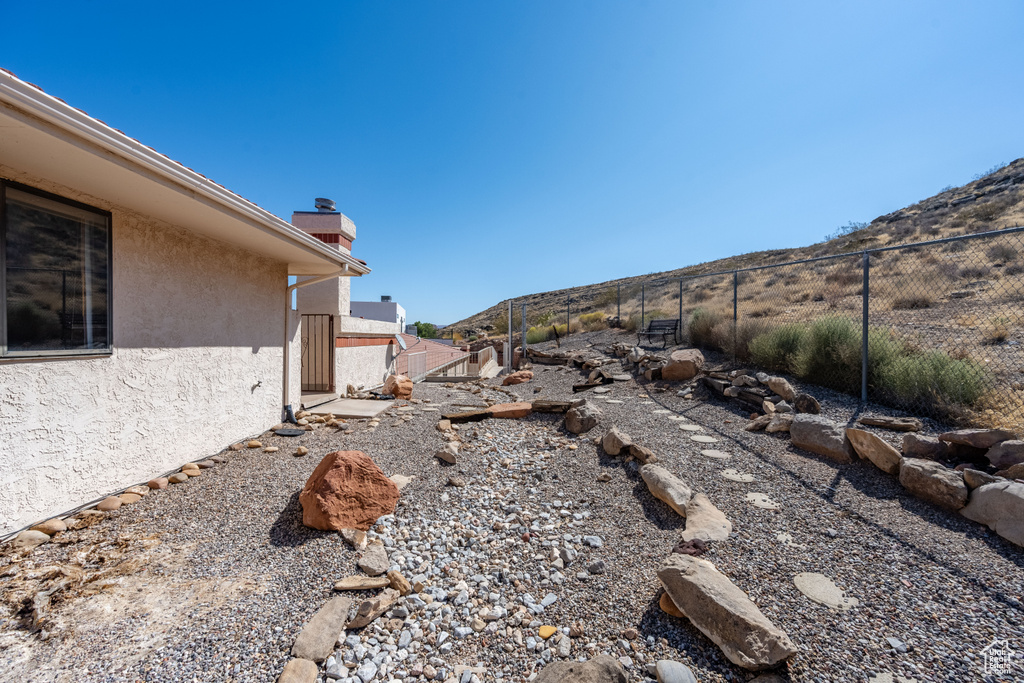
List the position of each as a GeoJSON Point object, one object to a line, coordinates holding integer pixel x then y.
{"type": "Point", "coordinates": [54, 275]}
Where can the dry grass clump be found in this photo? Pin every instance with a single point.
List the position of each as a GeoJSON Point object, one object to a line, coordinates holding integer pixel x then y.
{"type": "Point", "coordinates": [911, 302]}
{"type": "Point", "coordinates": [591, 322]}
{"type": "Point", "coordinates": [996, 331]}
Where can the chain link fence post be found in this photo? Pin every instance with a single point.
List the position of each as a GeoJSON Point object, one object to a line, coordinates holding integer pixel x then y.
{"type": "Point", "coordinates": [618, 303]}
{"type": "Point", "coordinates": [643, 297]}
{"type": "Point", "coordinates": [735, 310]}
{"type": "Point", "coordinates": [864, 360]}
{"type": "Point", "coordinates": [523, 314]}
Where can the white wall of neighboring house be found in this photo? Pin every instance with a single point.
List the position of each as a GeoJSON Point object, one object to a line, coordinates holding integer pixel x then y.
{"type": "Point", "coordinates": [197, 329]}
{"type": "Point", "coordinates": [385, 311]}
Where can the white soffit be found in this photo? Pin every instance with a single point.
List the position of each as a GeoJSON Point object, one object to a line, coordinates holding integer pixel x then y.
{"type": "Point", "coordinates": [46, 138]}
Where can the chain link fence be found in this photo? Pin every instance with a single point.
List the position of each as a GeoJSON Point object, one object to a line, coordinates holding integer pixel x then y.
{"type": "Point", "coordinates": [933, 328]}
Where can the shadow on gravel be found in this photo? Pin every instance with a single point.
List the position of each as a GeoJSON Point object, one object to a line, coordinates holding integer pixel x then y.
{"type": "Point", "coordinates": [288, 530]}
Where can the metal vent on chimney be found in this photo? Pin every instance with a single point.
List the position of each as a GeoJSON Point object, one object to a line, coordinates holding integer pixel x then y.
{"type": "Point", "coordinates": [385, 298]}
{"type": "Point", "coordinates": [324, 205]}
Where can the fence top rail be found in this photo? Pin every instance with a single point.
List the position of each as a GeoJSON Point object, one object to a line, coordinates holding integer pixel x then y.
{"type": "Point", "coordinates": [876, 250]}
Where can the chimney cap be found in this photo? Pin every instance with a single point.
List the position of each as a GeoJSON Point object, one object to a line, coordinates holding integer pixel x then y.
{"type": "Point", "coordinates": [385, 298]}
{"type": "Point", "coordinates": [324, 205]}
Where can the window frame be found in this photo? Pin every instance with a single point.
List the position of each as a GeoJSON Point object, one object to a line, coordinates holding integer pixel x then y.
{"type": "Point", "coordinates": [5, 353]}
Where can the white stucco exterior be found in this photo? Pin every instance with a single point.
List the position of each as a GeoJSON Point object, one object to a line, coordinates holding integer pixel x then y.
{"type": "Point", "coordinates": [197, 334]}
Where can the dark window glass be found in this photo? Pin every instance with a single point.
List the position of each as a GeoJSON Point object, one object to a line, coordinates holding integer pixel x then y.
{"type": "Point", "coordinates": [57, 278]}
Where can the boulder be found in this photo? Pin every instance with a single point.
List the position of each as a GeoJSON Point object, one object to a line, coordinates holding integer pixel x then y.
{"type": "Point", "coordinates": [724, 613]}
{"type": "Point", "coordinates": [346, 491]}
{"type": "Point", "coordinates": [929, 447]}
{"type": "Point", "coordinates": [1013, 472]}
{"type": "Point", "coordinates": [898, 424]}
{"type": "Point", "coordinates": [512, 411]}
{"type": "Point", "coordinates": [614, 442]}
{"type": "Point", "coordinates": [600, 669]}
{"type": "Point", "coordinates": [978, 438]}
{"type": "Point", "coordinates": [873, 448]}
{"type": "Point", "coordinates": [805, 403]}
{"type": "Point", "coordinates": [822, 436]}
{"type": "Point", "coordinates": [934, 482]}
{"type": "Point", "coordinates": [1000, 507]}
{"type": "Point", "coordinates": [517, 378]}
{"type": "Point", "coordinates": [976, 478]}
{"type": "Point", "coordinates": [705, 521]}
{"type": "Point", "coordinates": [581, 419]}
{"type": "Point", "coordinates": [1006, 454]}
{"type": "Point", "coordinates": [316, 640]}
{"type": "Point", "coordinates": [684, 364]}
{"type": "Point", "coordinates": [781, 387]}
{"type": "Point", "coordinates": [398, 386]}
{"type": "Point", "coordinates": [666, 487]}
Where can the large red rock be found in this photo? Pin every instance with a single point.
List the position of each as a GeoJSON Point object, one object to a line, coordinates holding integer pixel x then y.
{"type": "Point", "coordinates": [346, 491]}
{"type": "Point", "coordinates": [398, 386]}
{"type": "Point", "coordinates": [511, 410]}
{"type": "Point", "coordinates": [517, 378]}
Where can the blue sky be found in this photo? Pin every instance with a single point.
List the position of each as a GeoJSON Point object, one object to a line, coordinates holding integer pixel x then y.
{"type": "Point", "coordinates": [494, 149]}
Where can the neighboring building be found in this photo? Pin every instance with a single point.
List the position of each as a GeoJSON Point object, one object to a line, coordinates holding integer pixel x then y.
{"type": "Point", "coordinates": [411, 329]}
{"type": "Point", "coordinates": [421, 356]}
{"type": "Point", "coordinates": [384, 310]}
{"type": "Point", "coordinates": [146, 314]}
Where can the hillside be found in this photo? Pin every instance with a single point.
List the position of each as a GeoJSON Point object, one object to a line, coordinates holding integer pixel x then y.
{"type": "Point", "coordinates": [991, 202]}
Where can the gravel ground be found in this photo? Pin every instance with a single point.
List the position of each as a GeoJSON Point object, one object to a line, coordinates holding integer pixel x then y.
{"type": "Point", "coordinates": [235, 575]}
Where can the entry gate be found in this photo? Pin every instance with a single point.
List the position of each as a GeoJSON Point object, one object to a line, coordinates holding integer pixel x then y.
{"type": "Point", "coordinates": [318, 352]}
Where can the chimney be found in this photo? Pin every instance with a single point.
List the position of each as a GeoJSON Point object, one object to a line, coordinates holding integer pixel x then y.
{"type": "Point", "coordinates": [326, 224]}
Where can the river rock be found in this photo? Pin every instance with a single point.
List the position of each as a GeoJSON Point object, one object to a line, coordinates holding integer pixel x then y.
{"type": "Point", "coordinates": [978, 438]}
{"type": "Point", "coordinates": [29, 538]}
{"type": "Point", "coordinates": [668, 671]}
{"type": "Point", "coordinates": [934, 482]}
{"type": "Point", "coordinates": [110, 503]}
{"type": "Point", "coordinates": [724, 613]}
{"type": "Point", "coordinates": [582, 418]}
{"type": "Point", "coordinates": [684, 364]}
{"type": "Point", "coordinates": [666, 487]}
{"type": "Point", "coordinates": [51, 526]}
{"type": "Point", "coordinates": [705, 521]}
{"type": "Point", "coordinates": [398, 386]}
{"type": "Point", "coordinates": [615, 441]}
{"type": "Point", "coordinates": [346, 491]}
{"type": "Point", "coordinates": [820, 435]}
{"type": "Point", "coordinates": [448, 453]}
{"type": "Point", "coordinates": [871, 447]}
{"type": "Point", "coordinates": [600, 669]}
{"type": "Point", "coordinates": [1000, 507]}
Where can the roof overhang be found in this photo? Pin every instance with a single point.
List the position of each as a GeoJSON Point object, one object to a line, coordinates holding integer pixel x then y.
{"type": "Point", "coordinates": [46, 138]}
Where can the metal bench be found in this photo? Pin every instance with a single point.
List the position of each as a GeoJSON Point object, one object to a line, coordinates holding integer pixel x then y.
{"type": "Point", "coordinates": [662, 328]}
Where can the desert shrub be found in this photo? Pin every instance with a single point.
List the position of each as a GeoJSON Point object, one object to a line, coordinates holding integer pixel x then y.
{"type": "Point", "coordinates": [1002, 253]}
{"type": "Point", "coordinates": [930, 379]}
{"type": "Point", "coordinates": [592, 321]}
{"type": "Point", "coordinates": [633, 323]}
{"type": "Point", "coordinates": [541, 319]}
{"type": "Point", "coordinates": [975, 272]}
{"type": "Point", "coordinates": [911, 302]}
{"type": "Point", "coordinates": [830, 354]}
{"type": "Point", "coordinates": [702, 294]}
{"type": "Point", "coordinates": [746, 332]}
{"type": "Point", "coordinates": [702, 328]}
{"type": "Point", "coordinates": [1015, 269]}
{"type": "Point", "coordinates": [996, 331]}
{"type": "Point", "coordinates": [776, 348]}
{"type": "Point", "coordinates": [607, 298]}
{"type": "Point", "coordinates": [538, 334]}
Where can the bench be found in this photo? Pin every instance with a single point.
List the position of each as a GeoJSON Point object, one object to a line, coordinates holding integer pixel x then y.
{"type": "Point", "coordinates": [662, 328]}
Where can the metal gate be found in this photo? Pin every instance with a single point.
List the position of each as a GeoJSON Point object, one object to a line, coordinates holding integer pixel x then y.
{"type": "Point", "coordinates": [318, 352]}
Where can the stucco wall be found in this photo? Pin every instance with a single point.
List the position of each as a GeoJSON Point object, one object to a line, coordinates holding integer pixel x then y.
{"type": "Point", "coordinates": [363, 366]}
{"type": "Point", "coordinates": [328, 297]}
{"type": "Point", "coordinates": [197, 364]}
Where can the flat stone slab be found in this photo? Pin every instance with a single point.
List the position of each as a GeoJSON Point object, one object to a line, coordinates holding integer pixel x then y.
{"type": "Point", "coordinates": [299, 671]}
{"type": "Point", "coordinates": [736, 475]}
{"type": "Point", "coordinates": [705, 521]}
{"type": "Point", "coordinates": [613, 400]}
{"type": "Point", "coordinates": [362, 583]}
{"type": "Point", "coordinates": [821, 589]}
{"type": "Point", "coordinates": [677, 418]}
{"type": "Point", "coordinates": [352, 407]}
{"type": "Point", "coordinates": [703, 438]}
{"type": "Point", "coordinates": [317, 638]}
{"type": "Point", "coordinates": [718, 455]}
{"type": "Point", "coordinates": [762, 501]}
{"type": "Point", "coordinates": [602, 390]}
{"type": "Point", "coordinates": [691, 428]}
{"type": "Point", "coordinates": [662, 411]}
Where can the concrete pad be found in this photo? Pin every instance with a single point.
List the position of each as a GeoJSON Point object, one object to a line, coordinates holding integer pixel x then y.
{"type": "Point", "coordinates": [352, 408]}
